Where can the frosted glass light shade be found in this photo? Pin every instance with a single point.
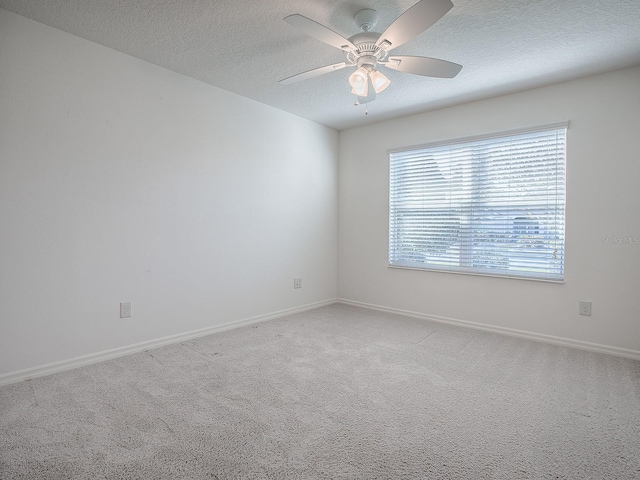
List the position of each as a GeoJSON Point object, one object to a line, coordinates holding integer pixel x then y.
{"type": "Point", "coordinates": [379, 81]}
{"type": "Point", "coordinates": [359, 81]}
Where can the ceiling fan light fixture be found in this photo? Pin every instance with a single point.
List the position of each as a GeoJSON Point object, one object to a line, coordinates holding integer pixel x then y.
{"type": "Point", "coordinates": [359, 81]}
{"type": "Point", "coordinates": [367, 50]}
{"type": "Point", "coordinates": [379, 81]}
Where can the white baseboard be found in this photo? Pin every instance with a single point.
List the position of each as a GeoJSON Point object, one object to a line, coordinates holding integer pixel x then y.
{"type": "Point", "coordinates": [540, 337]}
{"type": "Point", "coordinates": [40, 371]}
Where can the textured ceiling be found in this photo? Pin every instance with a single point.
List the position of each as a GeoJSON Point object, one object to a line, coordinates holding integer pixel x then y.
{"type": "Point", "coordinates": [245, 46]}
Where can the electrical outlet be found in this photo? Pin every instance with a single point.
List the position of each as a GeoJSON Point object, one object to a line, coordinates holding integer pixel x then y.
{"type": "Point", "coordinates": [125, 310]}
{"type": "Point", "coordinates": [297, 283]}
{"type": "Point", "coordinates": [585, 308]}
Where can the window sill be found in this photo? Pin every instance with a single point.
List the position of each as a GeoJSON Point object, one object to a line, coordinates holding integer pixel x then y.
{"type": "Point", "coordinates": [477, 274]}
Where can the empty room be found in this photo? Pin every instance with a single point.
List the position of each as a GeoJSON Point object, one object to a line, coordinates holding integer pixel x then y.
{"type": "Point", "coordinates": [320, 239]}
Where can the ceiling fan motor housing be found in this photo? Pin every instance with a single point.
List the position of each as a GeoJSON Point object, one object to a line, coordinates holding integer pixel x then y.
{"type": "Point", "coordinates": [366, 47]}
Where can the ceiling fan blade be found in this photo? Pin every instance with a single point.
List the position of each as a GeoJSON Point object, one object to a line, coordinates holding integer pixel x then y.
{"type": "Point", "coordinates": [413, 22]}
{"type": "Point", "coordinates": [312, 73]}
{"type": "Point", "coordinates": [322, 33]}
{"type": "Point", "coordinates": [427, 67]}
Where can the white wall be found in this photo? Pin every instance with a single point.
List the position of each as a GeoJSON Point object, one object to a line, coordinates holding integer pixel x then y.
{"type": "Point", "coordinates": [603, 200]}
{"type": "Point", "coordinates": [123, 181]}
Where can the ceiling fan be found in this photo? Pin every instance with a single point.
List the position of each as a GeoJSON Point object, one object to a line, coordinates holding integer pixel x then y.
{"type": "Point", "coordinates": [368, 50]}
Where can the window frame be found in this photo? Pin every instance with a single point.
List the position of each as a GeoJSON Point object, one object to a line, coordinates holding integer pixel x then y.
{"type": "Point", "coordinates": [460, 269]}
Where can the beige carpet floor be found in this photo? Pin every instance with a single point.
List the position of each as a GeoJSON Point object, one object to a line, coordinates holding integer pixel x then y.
{"type": "Point", "coordinates": [334, 393]}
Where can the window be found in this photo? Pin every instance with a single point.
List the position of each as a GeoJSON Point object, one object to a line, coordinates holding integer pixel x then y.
{"type": "Point", "coordinates": [491, 205]}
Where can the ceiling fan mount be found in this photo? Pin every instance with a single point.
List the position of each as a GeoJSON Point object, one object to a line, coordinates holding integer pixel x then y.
{"type": "Point", "coordinates": [367, 49]}
{"type": "Point", "coordinates": [366, 19]}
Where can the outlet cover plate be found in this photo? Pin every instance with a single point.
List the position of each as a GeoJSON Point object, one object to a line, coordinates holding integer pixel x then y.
{"type": "Point", "coordinates": [125, 310]}
{"type": "Point", "coordinates": [585, 308]}
{"type": "Point", "coordinates": [297, 283]}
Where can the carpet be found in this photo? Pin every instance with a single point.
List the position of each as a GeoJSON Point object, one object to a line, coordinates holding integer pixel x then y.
{"type": "Point", "coordinates": [338, 392]}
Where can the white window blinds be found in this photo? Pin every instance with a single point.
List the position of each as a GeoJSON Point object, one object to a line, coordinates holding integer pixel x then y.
{"type": "Point", "coordinates": [492, 205]}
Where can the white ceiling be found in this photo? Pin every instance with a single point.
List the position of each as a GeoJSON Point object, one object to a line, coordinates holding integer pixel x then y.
{"type": "Point", "coordinates": [245, 46]}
